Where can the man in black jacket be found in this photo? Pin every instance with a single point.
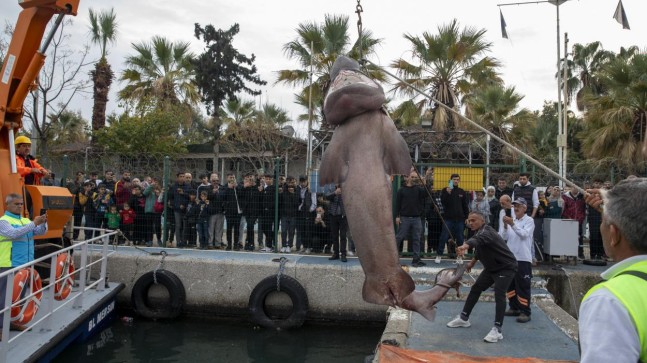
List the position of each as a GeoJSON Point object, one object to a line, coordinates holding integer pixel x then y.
{"type": "Point", "coordinates": [499, 267]}
{"type": "Point", "coordinates": [456, 209]}
{"type": "Point", "coordinates": [409, 206]}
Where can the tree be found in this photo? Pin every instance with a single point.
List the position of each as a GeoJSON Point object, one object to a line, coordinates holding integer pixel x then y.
{"type": "Point", "coordinates": [103, 31]}
{"type": "Point", "coordinates": [273, 114]}
{"type": "Point", "coordinates": [221, 72]}
{"type": "Point", "coordinates": [236, 111]}
{"type": "Point", "coordinates": [58, 83]}
{"type": "Point", "coordinates": [6, 33]}
{"type": "Point", "coordinates": [66, 128]}
{"type": "Point", "coordinates": [616, 121]}
{"type": "Point", "coordinates": [328, 40]}
{"type": "Point", "coordinates": [153, 132]}
{"type": "Point", "coordinates": [448, 66]}
{"type": "Point", "coordinates": [587, 61]}
{"type": "Point", "coordinates": [258, 143]}
{"type": "Point", "coordinates": [159, 74]}
{"type": "Point", "coordinates": [497, 109]}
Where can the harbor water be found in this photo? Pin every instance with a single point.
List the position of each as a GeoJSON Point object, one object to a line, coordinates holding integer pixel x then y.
{"type": "Point", "coordinates": [206, 340]}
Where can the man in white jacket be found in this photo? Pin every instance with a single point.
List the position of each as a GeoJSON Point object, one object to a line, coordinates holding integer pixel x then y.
{"type": "Point", "coordinates": [519, 236]}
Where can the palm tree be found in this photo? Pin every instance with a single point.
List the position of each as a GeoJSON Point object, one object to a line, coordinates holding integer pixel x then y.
{"type": "Point", "coordinates": [616, 121]}
{"type": "Point", "coordinates": [237, 112]}
{"type": "Point", "coordinates": [103, 29]}
{"type": "Point", "coordinates": [497, 109]}
{"type": "Point", "coordinates": [271, 113]}
{"type": "Point", "coordinates": [587, 61]}
{"type": "Point", "coordinates": [448, 66]}
{"type": "Point", "coordinates": [160, 73]}
{"type": "Point", "coordinates": [329, 40]}
{"type": "Point", "coordinates": [67, 127]}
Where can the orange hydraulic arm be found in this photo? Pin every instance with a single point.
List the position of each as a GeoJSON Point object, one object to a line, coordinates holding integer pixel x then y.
{"type": "Point", "coordinates": [24, 60]}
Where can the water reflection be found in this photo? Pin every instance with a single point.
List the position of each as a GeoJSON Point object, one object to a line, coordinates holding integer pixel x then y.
{"type": "Point", "coordinates": [200, 340]}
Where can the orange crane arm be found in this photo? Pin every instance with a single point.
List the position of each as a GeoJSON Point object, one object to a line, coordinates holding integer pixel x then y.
{"type": "Point", "coordinates": [24, 58]}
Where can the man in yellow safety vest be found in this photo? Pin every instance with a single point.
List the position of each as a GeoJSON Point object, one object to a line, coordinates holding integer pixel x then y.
{"type": "Point", "coordinates": [613, 314]}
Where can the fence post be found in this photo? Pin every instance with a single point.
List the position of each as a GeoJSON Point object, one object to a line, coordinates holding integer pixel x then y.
{"type": "Point", "coordinates": [165, 188]}
{"type": "Point", "coordinates": [66, 161]}
{"type": "Point", "coordinates": [522, 165]}
{"type": "Point", "coordinates": [277, 167]}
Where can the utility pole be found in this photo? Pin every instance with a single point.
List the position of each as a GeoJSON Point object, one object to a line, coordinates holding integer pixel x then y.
{"type": "Point", "coordinates": [309, 154]}
{"type": "Point", "coordinates": [565, 111]}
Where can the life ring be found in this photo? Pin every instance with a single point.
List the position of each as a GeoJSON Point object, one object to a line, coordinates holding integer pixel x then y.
{"type": "Point", "coordinates": [295, 291]}
{"type": "Point", "coordinates": [177, 295]}
{"type": "Point", "coordinates": [23, 312]}
{"type": "Point", "coordinates": [63, 286]}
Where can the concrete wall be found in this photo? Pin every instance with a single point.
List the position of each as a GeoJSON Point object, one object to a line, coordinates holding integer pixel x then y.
{"type": "Point", "coordinates": [220, 283]}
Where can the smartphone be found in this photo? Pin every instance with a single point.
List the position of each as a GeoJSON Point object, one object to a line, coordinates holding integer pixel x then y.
{"type": "Point", "coordinates": [508, 213]}
{"type": "Point", "coordinates": [451, 184]}
{"type": "Point", "coordinates": [43, 211]}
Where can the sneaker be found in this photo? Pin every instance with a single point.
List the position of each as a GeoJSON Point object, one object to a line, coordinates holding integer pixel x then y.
{"type": "Point", "coordinates": [438, 259]}
{"type": "Point", "coordinates": [493, 336]}
{"type": "Point", "coordinates": [523, 318]}
{"type": "Point", "coordinates": [418, 263]}
{"type": "Point", "coordinates": [512, 312]}
{"type": "Point", "coordinates": [308, 251]}
{"type": "Point", "coordinates": [343, 259]}
{"type": "Point", "coordinates": [350, 253]}
{"type": "Point", "coordinates": [459, 323]}
{"type": "Point", "coordinates": [266, 249]}
{"type": "Point", "coordinates": [334, 257]}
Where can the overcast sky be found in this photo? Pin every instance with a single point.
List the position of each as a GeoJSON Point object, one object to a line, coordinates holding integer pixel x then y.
{"type": "Point", "coordinates": [528, 56]}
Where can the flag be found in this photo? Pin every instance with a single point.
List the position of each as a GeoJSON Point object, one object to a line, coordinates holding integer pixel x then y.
{"type": "Point", "coordinates": [504, 33]}
{"type": "Point", "coordinates": [620, 16]}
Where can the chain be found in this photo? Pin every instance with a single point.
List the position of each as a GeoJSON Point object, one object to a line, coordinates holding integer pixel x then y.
{"type": "Point", "coordinates": [160, 266]}
{"type": "Point", "coordinates": [359, 10]}
{"type": "Point", "coordinates": [282, 262]}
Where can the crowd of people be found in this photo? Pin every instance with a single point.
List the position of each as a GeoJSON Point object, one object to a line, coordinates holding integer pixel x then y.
{"type": "Point", "coordinates": [210, 214]}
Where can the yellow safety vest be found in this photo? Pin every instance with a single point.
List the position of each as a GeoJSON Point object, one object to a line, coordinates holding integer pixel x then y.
{"type": "Point", "coordinates": [631, 291]}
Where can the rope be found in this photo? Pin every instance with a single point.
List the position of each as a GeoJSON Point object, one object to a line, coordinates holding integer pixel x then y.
{"type": "Point", "coordinates": [359, 10]}
{"type": "Point", "coordinates": [160, 266]}
{"type": "Point", "coordinates": [282, 262]}
{"type": "Point", "coordinates": [483, 129]}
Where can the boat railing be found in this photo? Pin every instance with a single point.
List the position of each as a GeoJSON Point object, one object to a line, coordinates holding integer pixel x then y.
{"type": "Point", "coordinates": [48, 305]}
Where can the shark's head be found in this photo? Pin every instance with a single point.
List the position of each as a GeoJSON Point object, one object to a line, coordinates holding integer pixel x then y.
{"type": "Point", "coordinates": [343, 63]}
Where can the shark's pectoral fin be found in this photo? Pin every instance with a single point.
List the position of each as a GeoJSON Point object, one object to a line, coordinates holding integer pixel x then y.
{"type": "Point", "coordinates": [334, 164]}
{"type": "Point", "coordinates": [396, 152]}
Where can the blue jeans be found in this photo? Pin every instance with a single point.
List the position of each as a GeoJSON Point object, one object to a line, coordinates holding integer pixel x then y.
{"type": "Point", "coordinates": [456, 228]}
{"type": "Point", "coordinates": [288, 224]}
{"type": "Point", "coordinates": [410, 228]}
{"type": "Point", "coordinates": [203, 232]}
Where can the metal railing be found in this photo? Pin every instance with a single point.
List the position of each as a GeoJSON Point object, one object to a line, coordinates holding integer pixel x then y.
{"type": "Point", "coordinates": [48, 304]}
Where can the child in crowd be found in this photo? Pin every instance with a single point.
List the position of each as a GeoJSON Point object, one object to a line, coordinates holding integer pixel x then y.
{"type": "Point", "coordinates": [127, 221]}
{"type": "Point", "coordinates": [190, 220]}
{"type": "Point", "coordinates": [113, 219]}
{"type": "Point", "coordinates": [202, 219]}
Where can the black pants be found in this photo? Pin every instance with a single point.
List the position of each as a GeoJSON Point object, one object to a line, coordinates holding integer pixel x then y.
{"type": "Point", "coordinates": [434, 227]}
{"type": "Point", "coordinates": [338, 228]}
{"type": "Point", "coordinates": [519, 289]}
{"type": "Point", "coordinates": [266, 222]}
{"type": "Point", "coordinates": [190, 233]}
{"type": "Point", "coordinates": [501, 280]}
{"type": "Point", "coordinates": [251, 221]}
{"type": "Point", "coordinates": [305, 222]}
{"type": "Point", "coordinates": [595, 239]}
{"type": "Point", "coordinates": [233, 229]}
{"type": "Point", "coordinates": [78, 220]}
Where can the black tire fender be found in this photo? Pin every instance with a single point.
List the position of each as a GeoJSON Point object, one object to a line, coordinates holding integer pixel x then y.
{"type": "Point", "coordinates": [293, 289]}
{"type": "Point", "coordinates": [177, 295]}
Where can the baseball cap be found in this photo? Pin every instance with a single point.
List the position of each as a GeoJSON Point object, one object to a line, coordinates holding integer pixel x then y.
{"type": "Point", "coordinates": [302, 178]}
{"type": "Point", "coordinates": [521, 201]}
